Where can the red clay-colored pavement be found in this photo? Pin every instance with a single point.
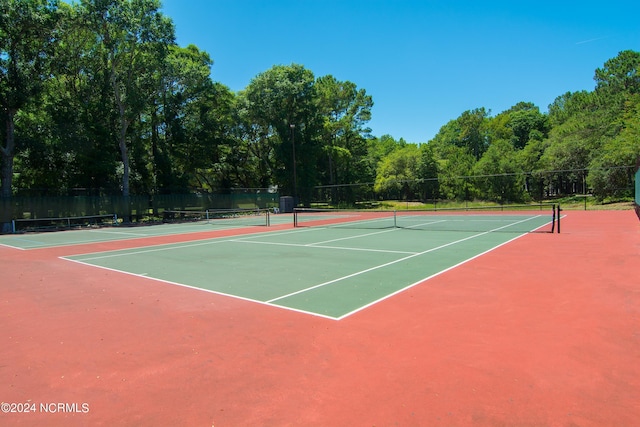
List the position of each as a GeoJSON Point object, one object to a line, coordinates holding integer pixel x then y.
{"type": "Point", "coordinates": [544, 331]}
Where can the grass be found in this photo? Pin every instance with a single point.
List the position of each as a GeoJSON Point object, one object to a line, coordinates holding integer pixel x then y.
{"type": "Point", "coordinates": [588, 202]}
{"type": "Point", "coordinates": [579, 202]}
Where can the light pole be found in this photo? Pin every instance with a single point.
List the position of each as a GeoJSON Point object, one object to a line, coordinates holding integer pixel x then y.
{"type": "Point", "coordinates": [293, 149]}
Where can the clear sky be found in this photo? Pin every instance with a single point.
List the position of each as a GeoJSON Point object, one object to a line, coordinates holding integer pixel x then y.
{"type": "Point", "coordinates": [423, 62]}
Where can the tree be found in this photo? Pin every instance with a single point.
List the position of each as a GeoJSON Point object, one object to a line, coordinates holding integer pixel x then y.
{"type": "Point", "coordinates": [527, 123]}
{"type": "Point", "coordinates": [428, 172]}
{"type": "Point", "coordinates": [458, 146]}
{"type": "Point", "coordinates": [256, 144]}
{"type": "Point", "coordinates": [611, 169]}
{"type": "Point", "coordinates": [499, 174]}
{"type": "Point", "coordinates": [618, 88]}
{"type": "Point", "coordinates": [454, 173]}
{"type": "Point", "coordinates": [529, 161]}
{"type": "Point", "coordinates": [188, 121]}
{"type": "Point", "coordinates": [620, 74]}
{"type": "Point", "coordinates": [472, 131]}
{"type": "Point", "coordinates": [383, 146]}
{"type": "Point", "coordinates": [519, 124]}
{"type": "Point", "coordinates": [281, 101]}
{"type": "Point", "coordinates": [70, 131]}
{"type": "Point", "coordinates": [397, 175]}
{"type": "Point", "coordinates": [214, 155]}
{"type": "Point", "coordinates": [344, 110]}
{"type": "Point", "coordinates": [132, 38]}
{"type": "Point", "coordinates": [588, 121]}
{"type": "Point", "coordinates": [27, 39]}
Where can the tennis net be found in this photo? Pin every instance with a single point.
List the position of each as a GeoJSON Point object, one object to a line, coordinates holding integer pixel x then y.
{"type": "Point", "coordinates": [223, 217]}
{"type": "Point", "coordinates": [23, 225]}
{"type": "Point", "coordinates": [508, 219]}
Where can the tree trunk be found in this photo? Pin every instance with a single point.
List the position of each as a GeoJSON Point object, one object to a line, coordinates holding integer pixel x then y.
{"type": "Point", "coordinates": [125, 158]}
{"type": "Point", "coordinates": [122, 143]}
{"type": "Point", "coordinates": [7, 156]}
{"type": "Point", "coordinates": [126, 215]}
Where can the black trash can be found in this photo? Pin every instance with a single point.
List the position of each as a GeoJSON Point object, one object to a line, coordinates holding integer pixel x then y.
{"type": "Point", "coordinates": [286, 204]}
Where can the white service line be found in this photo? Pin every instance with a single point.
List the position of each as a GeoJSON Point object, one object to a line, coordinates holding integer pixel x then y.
{"type": "Point", "coordinates": [317, 245]}
{"type": "Point", "coordinates": [390, 263]}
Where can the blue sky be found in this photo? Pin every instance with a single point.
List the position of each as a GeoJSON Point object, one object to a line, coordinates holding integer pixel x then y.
{"type": "Point", "coordinates": [423, 62]}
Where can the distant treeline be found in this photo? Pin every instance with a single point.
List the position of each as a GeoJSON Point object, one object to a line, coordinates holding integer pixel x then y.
{"type": "Point", "coordinates": [97, 95]}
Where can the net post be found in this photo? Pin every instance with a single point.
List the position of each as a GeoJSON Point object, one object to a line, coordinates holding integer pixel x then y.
{"type": "Point", "coordinates": [553, 218]}
{"type": "Point", "coordinates": [268, 224]}
{"type": "Point", "coordinates": [207, 215]}
{"type": "Point", "coordinates": [295, 217]}
{"type": "Point", "coordinates": [558, 219]}
{"type": "Point", "coordinates": [395, 220]}
{"type": "Point", "coordinates": [13, 226]}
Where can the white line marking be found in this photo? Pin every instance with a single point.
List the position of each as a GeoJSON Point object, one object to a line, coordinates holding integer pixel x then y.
{"type": "Point", "coordinates": [390, 263]}
{"type": "Point", "coordinates": [125, 233]}
{"type": "Point", "coordinates": [165, 246]}
{"type": "Point", "coordinates": [270, 302]}
{"type": "Point", "coordinates": [312, 313]}
{"type": "Point", "coordinates": [12, 247]}
{"type": "Point", "coordinates": [352, 237]}
{"type": "Point", "coordinates": [125, 252]}
{"type": "Point", "coordinates": [317, 245]}
{"type": "Point", "coordinates": [426, 223]}
{"type": "Point", "coordinates": [425, 279]}
{"type": "Point", "coordinates": [34, 243]}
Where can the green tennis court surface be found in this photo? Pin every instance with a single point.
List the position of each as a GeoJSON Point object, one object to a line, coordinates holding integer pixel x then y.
{"type": "Point", "coordinates": [106, 234]}
{"type": "Point", "coordinates": [330, 272]}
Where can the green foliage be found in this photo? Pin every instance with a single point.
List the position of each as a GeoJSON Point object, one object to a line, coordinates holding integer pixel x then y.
{"type": "Point", "coordinates": [344, 110]}
{"type": "Point", "coordinates": [527, 125]}
{"type": "Point", "coordinates": [620, 74]}
{"type": "Point", "coordinates": [398, 173]}
{"type": "Point", "coordinates": [610, 174]}
{"type": "Point", "coordinates": [123, 108]}
{"type": "Point", "coordinates": [469, 131]}
{"type": "Point", "coordinates": [27, 42]}
{"type": "Point", "coordinates": [281, 101]}
{"type": "Point", "coordinates": [428, 173]}
{"type": "Point", "coordinates": [499, 175]}
{"type": "Point", "coordinates": [454, 179]}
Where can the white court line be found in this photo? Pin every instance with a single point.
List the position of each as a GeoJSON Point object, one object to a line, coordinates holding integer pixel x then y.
{"type": "Point", "coordinates": [352, 237]}
{"type": "Point", "coordinates": [322, 245]}
{"type": "Point", "coordinates": [316, 245]}
{"type": "Point", "coordinates": [391, 262]}
{"type": "Point", "coordinates": [271, 302]}
{"type": "Point", "coordinates": [37, 244]}
{"type": "Point", "coordinates": [145, 276]}
{"type": "Point", "coordinates": [374, 268]}
{"type": "Point", "coordinates": [372, 303]}
{"type": "Point", "coordinates": [166, 246]}
{"type": "Point", "coordinates": [125, 252]}
{"type": "Point", "coordinates": [126, 233]}
{"type": "Point", "coordinates": [12, 247]}
{"type": "Point", "coordinates": [246, 239]}
{"type": "Point", "coordinates": [426, 223]}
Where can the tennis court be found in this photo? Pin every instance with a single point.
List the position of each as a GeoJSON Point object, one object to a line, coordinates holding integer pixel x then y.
{"type": "Point", "coordinates": [328, 322]}
{"type": "Point", "coordinates": [195, 222]}
{"type": "Point", "coordinates": [333, 264]}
